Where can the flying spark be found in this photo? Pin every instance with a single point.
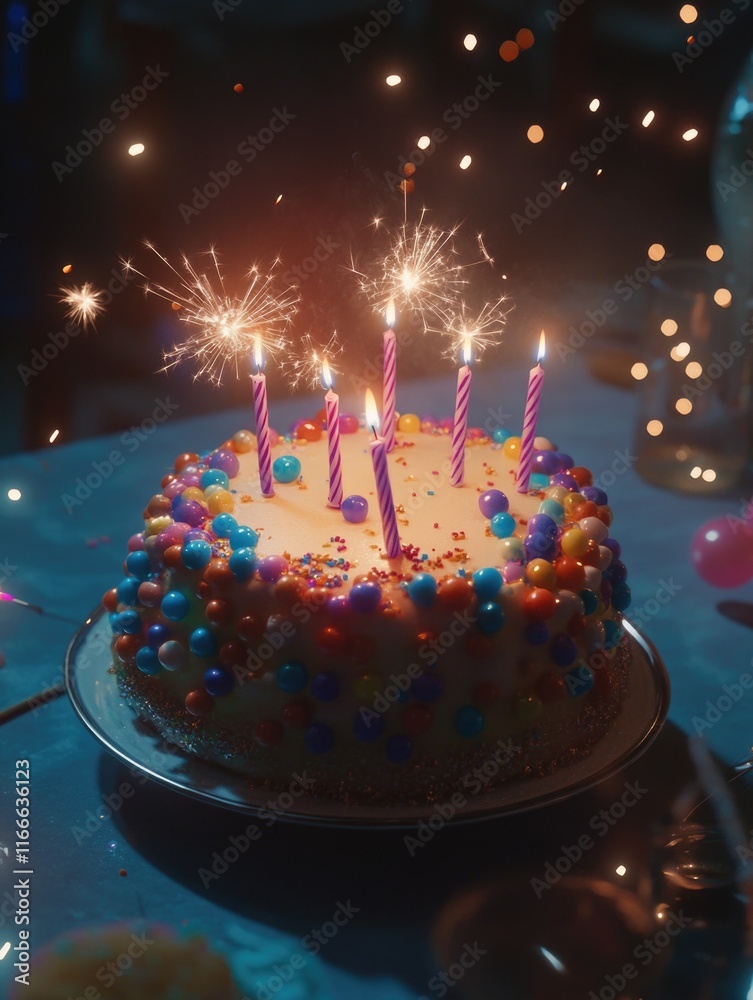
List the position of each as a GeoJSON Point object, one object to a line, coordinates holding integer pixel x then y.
{"type": "Point", "coordinates": [305, 364]}
{"type": "Point", "coordinates": [222, 328]}
{"type": "Point", "coordinates": [84, 303]}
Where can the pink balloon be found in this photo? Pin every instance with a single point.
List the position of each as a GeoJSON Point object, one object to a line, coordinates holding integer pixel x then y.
{"type": "Point", "coordinates": [722, 552]}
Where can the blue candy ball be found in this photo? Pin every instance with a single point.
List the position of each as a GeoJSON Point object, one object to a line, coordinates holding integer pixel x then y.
{"type": "Point", "coordinates": [286, 468]}
{"type": "Point", "coordinates": [368, 728]}
{"type": "Point", "coordinates": [595, 493]}
{"type": "Point", "coordinates": [616, 572]}
{"type": "Point", "coordinates": [242, 563]}
{"type": "Point", "coordinates": [157, 634]}
{"type": "Point", "coordinates": [292, 677]}
{"type": "Point", "coordinates": [539, 481]}
{"type": "Point", "coordinates": [223, 524]}
{"type": "Point", "coordinates": [175, 605]}
{"type": "Point", "coordinates": [539, 546]}
{"type": "Point", "coordinates": [426, 688]}
{"type": "Point", "coordinates": [553, 510]}
{"type": "Point", "coordinates": [319, 738]}
{"type": "Point", "coordinates": [590, 601]}
{"type": "Point", "coordinates": [114, 620]}
{"type": "Point", "coordinates": [355, 508]}
{"type": "Point", "coordinates": [422, 589]}
{"type": "Point", "coordinates": [621, 597]}
{"type": "Point", "coordinates": [326, 686]}
{"type": "Point", "coordinates": [128, 591]}
{"type": "Point", "coordinates": [138, 564]}
{"type": "Point", "coordinates": [243, 538]}
{"type": "Point", "coordinates": [147, 661]}
{"type": "Point", "coordinates": [129, 622]}
{"type": "Point", "coordinates": [399, 749]}
{"type": "Point", "coordinates": [365, 597]}
{"type": "Point", "coordinates": [196, 554]}
{"type": "Point", "coordinates": [202, 642]}
{"type": "Point", "coordinates": [493, 502]}
{"type": "Point", "coordinates": [500, 435]}
{"type": "Point", "coordinates": [579, 681]}
{"type": "Point", "coordinates": [502, 525]}
{"type": "Point", "coordinates": [563, 650]}
{"type": "Point", "coordinates": [490, 617]}
{"type": "Point", "coordinates": [469, 722]}
{"type": "Point", "coordinates": [214, 477]}
{"type": "Point", "coordinates": [218, 682]}
{"type": "Point", "coordinates": [543, 524]}
{"type": "Point", "coordinates": [487, 583]}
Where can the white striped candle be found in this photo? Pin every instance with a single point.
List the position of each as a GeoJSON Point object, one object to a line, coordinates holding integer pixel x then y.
{"type": "Point", "coordinates": [389, 377]}
{"type": "Point", "coordinates": [332, 405]}
{"type": "Point", "coordinates": [378, 449]}
{"type": "Point", "coordinates": [261, 416]}
{"type": "Point", "coordinates": [533, 402]}
{"type": "Point", "coordinates": [460, 423]}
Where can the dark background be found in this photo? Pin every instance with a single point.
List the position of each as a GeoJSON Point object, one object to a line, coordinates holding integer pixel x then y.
{"type": "Point", "coordinates": [329, 164]}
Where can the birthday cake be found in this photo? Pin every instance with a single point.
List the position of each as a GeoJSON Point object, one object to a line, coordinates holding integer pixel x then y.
{"type": "Point", "coordinates": [273, 634]}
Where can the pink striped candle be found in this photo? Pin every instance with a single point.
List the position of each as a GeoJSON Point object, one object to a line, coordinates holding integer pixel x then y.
{"type": "Point", "coordinates": [261, 416]}
{"type": "Point", "coordinates": [378, 449]}
{"type": "Point", "coordinates": [389, 377]}
{"type": "Point", "coordinates": [460, 423]}
{"type": "Point", "coordinates": [533, 402]}
{"type": "Point", "coordinates": [332, 405]}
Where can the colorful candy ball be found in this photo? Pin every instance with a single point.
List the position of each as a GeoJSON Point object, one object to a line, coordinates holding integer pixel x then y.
{"type": "Point", "coordinates": [722, 552]}
{"type": "Point", "coordinates": [286, 468]}
{"type": "Point", "coordinates": [355, 508]}
{"type": "Point", "coordinates": [493, 502]}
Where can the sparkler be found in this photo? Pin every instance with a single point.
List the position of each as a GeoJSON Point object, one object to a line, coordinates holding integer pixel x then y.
{"type": "Point", "coordinates": [222, 329]}
{"type": "Point", "coordinates": [84, 303]}
{"type": "Point", "coordinates": [305, 364]}
{"type": "Point", "coordinates": [480, 331]}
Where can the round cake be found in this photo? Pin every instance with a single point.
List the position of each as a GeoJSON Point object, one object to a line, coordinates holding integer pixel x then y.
{"type": "Point", "coordinates": [272, 634]}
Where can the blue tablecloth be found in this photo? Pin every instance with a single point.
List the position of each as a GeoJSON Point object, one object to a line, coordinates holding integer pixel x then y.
{"type": "Point", "coordinates": [64, 561]}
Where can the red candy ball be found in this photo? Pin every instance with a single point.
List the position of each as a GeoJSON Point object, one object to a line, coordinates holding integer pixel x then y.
{"type": "Point", "coordinates": [269, 733]}
{"type": "Point", "coordinates": [219, 574]}
{"type": "Point", "coordinates": [233, 653]}
{"type": "Point", "coordinates": [219, 612]}
{"type": "Point", "coordinates": [203, 590]}
{"type": "Point", "coordinates": [296, 714]}
{"type": "Point", "coordinates": [110, 600]}
{"type": "Point", "coordinates": [249, 627]}
{"type": "Point", "coordinates": [331, 640]}
{"type": "Point", "coordinates": [187, 458]}
{"type": "Point", "coordinates": [126, 647]}
{"type": "Point", "coordinates": [150, 594]}
{"type": "Point", "coordinates": [539, 603]}
{"type": "Point", "coordinates": [199, 703]}
{"type": "Point", "coordinates": [455, 593]}
{"type": "Point", "coordinates": [586, 509]}
{"type": "Point", "coordinates": [417, 719]}
{"type": "Point", "coordinates": [570, 574]}
{"type": "Point", "coordinates": [171, 557]}
{"type": "Point", "coordinates": [308, 431]}
{"type": "Point", "coordinates": [159, 505]}
{"type": "Point", "coordinates": [581, 475]}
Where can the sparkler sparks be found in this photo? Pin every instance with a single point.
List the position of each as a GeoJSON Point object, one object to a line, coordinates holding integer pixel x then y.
{"type": "Point", "coordinates": [306, 365]}
{"type": "Point", "coordinates": [222, 329]}
{"type": "Point", "coordinates": [420, 272]}
{"type": "Point", "coordinates": [479, 332]}
{"type": "Point", "coordinates": [84, 303]}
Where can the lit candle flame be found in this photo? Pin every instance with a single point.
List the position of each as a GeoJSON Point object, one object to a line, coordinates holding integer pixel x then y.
{"type": "Point", "coordinates": [467, 350]}
{"type": "Point", "coordinates": [389, 313]}
{"type": "Point", "coordinates": [542, 348]}
{"type": "Point", "coordinates": [372, 413]}
{"type": "Point", "coordinates": [326, 374]}
{"type": "Point", "coordinates": [258, 355]}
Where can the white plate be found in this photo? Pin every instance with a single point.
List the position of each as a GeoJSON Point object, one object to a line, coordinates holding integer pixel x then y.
{"type": "Point", "coordinates": [98, 702]}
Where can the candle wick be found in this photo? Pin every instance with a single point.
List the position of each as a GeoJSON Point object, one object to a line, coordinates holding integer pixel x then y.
{"type": "Point", "coordinates": [376, 436]}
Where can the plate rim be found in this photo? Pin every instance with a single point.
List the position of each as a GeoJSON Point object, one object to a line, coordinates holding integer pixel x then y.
{"type": "Point", "coordinates": [388, 817]}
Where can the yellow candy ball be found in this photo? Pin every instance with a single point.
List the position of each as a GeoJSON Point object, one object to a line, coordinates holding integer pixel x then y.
{"type": "Point", "coordinates": [541, 573]}
{"type": "Point", "coordinates": [156, 524]}
{"type": "Point", "coordinates": [574, 543]}
{"type": "Point", "coordinates": [367, 687]}
{"type": "Point", "coordinates": [557, 493]}
{"type": "Point", "coordinates": [572, 500]}
{"type": "Point", "coordinates": [243, 441]}
{"type": "Point", "coordinates": [220, 502]}
{"type": "Point", "coordinates": [511, 447]}
{"type": "Point", "coordinates": [193, 493]}
{"type": "Point", "coordinates": [212, 489]}
{"type": "Point", "coordinates": [409, 423]}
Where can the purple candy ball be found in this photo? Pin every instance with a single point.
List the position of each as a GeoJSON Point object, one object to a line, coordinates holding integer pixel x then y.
{"type": "Point", "coordinates": [172, 535]}
{"type": "Point", "coordinates": [513, 571]}
{"type": "Point", "coordinates": [339, 606]}
{"type": "Point", "coordinates": [189, 511]}
{"type": "Point", "coordinates": [355, 508]}
{"type": "Point", "coordinates": [365, 597]}
{"type": "Point", "coordinates": [594, 493]}
{"type": "Point", "coordinates": [174, 489]}
{"type": "Point", "coordinates": [562, 479]}
{"type": "Point", "coordinates": [566, 461]}
{"type": "Point", "coordinates": [191, 478]}
{"type": "Point", "coordinates": [614, 547]}
{"type": "Point", "coordinates": [198, 534]}
{"type": "Point", "coordinates": [227, 461]}
{"type": "Point", "coordinates": [546, 462]}
{"type": "Point", "coordinates": [271, 568]}
{"type": "Point", "coordinates": [493, 502]}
